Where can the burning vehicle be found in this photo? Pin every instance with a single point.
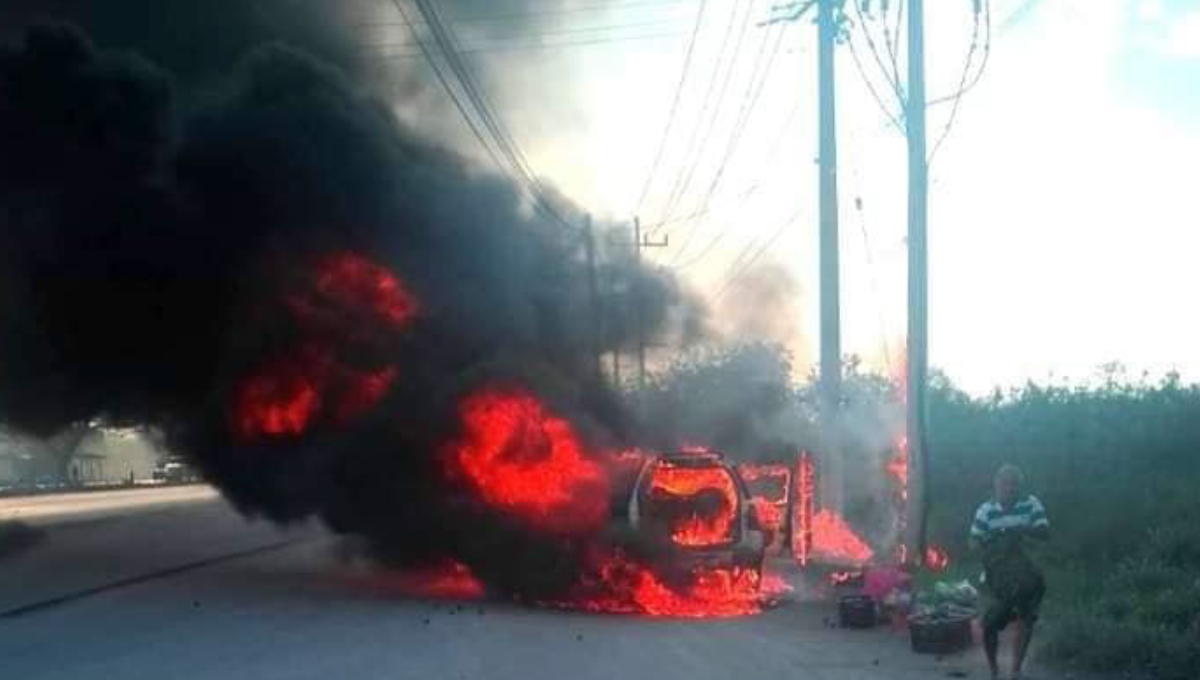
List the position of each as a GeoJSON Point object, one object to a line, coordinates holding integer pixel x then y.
{"type": "Point", "coordinates": [771, 489]}
{"type": "Point", "coordinates": [696, 503]}
{"type": "Point", "coordinates": [331, 316]}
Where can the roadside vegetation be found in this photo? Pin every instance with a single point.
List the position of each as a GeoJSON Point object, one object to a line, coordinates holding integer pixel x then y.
{"type": "Point", "coordinates": [1117, 465]}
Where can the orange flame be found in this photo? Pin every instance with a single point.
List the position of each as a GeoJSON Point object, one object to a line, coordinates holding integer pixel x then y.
{"type": "Point", "coordinates": [633, 588]}
{"type": "Point", "coordinates": [286, 396]}
{"type": "Point", "coordinates": [833, 539]}
{"type": "Point", "coordinates": [524, 460]}
{"type": "Point", "coordinates": [708, 496]}
{"type": "Point", "coordinates": [770, 486]}
{"type": "Point", "coordinates": [936, 558]}
{"type": "Point", "coordinates": [802, 518]}
{"type": "Point", "coordinates": [352, 281]}
{"type": "Point", "coordinates": [444, 580]}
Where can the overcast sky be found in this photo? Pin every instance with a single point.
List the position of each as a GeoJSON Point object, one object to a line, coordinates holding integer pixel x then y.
{"type": "Point", "coordinates": [1063, 207]}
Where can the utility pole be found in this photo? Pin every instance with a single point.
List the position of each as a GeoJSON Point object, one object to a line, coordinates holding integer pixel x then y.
{"type": "Point", "coordinates": [639, 242]}
{"type": "Point", "coordinates": [918, 309]}
{"type": "Point", "coordinates": [830, 388]}
{"type": "Point", "coordinates": [589, 245]}
{"type": "Point", "coordinates": [641, 332]}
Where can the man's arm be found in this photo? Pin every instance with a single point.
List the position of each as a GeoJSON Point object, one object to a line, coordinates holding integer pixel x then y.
{"type": "Point", "coordinates": [1039, 525]}
{"type": "Point", "coordinates": [979, 529]}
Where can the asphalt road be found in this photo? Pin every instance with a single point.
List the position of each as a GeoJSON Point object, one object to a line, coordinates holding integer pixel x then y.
{"type": "Point", "coordinates": [90, 505]}
{"type": "Point", "coordinates": [189, 589]}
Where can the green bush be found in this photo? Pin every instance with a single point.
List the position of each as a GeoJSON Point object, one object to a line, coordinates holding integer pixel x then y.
{"type": "Point", "coordinates": [1117, 467]}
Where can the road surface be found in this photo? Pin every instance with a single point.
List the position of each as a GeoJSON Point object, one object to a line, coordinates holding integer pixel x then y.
{"type": "Point", "coordinates": [186, 588]}
{"type": "Point", "coordinates": [89, 505]}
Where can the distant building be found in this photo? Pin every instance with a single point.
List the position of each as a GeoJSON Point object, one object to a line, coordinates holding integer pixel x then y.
{"type": "Point", "coordinates": [19, 459]}
{"type": "Point", "coordinates": [114, 455]}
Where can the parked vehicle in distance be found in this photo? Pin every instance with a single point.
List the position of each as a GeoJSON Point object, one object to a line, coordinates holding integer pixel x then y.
{"type": "Point", "coordinates": [175, 471]}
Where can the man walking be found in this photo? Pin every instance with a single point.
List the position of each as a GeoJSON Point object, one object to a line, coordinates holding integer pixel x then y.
{"type": "Point", "coordinates": [1014, 585]}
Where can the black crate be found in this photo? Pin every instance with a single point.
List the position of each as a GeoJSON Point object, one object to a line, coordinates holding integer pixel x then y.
{"type": "Point", "coordinates": [940, 635]}
{"type": "Point", "coordinates": [858, 611]}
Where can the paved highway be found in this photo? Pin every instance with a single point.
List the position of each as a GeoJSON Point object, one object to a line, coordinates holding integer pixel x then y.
{"type": "Point", "coordinates": [189, 589]}
{"type": "Point", "coordinates": [87, 505]}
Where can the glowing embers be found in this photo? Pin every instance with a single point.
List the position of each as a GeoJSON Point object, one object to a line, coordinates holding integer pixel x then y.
{"type": "Point", "coordinates": [528, 462]}
{"type": "Point", "coordinates": [698, 502]}
{"type": "Point", "coordinates": [286, 396]}
{"type": "Point", "coordinates": [631, 588]}
{"type": "Point", "coordinates": [441, 580]}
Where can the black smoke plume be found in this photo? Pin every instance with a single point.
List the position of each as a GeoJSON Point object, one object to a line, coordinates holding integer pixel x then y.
{"type": "Point", "coordinates": [161, 226]}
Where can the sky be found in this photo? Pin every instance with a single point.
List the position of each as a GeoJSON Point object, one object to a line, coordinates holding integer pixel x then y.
{"type": "Point", "coordinates": [1063, 214]}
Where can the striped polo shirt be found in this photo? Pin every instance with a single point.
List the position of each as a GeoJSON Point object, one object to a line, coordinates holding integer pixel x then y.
{"type": "Point", "coordinates": [991, 517]}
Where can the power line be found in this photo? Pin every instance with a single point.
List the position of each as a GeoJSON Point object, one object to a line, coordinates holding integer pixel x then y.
{"type": "Point", "coordinates": [684, 177]}
{"type": "Point", "coordinates": [449, 90]}
{"type": "Point", "coordinates": [749, 105]}
{"type": "Point", "coordinates": [893, 46]}
{"type": "Point", "coordinates": [893, 81]}
{"type": "Point", "coordinates": [662, 142]}
{"type": "Point", "coordinates": [548, 34]}
{"type": "Point", "coordinates": [872, 277]}
{"type": "Point", "coordinates": [491, 49]}
{"type": "Point", "coordinates": [749, 263]}
{"type": "Point", "coordinates": [768, 165]}
{"type": "Point", "coordinates": [445, 39]}
{"type": "Point", "coordinates": [962, 82]}
{"type": "Point", "coordinates": [527, 16]}
{"type": "Point", "coordinates": [862, 72]}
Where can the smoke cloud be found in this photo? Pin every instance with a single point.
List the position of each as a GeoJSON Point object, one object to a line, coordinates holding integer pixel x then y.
{"type": "Point", "coordinates": [253, 253]}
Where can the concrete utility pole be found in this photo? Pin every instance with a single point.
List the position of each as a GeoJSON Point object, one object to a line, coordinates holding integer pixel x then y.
{"type": "Point", "coordinates": [829, 389]}
{"type": "Point", "coordinates": [832, 481]}
{"type": "Point", "coordinates": [918, 309]}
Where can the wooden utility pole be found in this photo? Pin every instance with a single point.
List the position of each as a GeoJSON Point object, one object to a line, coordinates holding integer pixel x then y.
{"type": "Point", "coordinates": [589, 245]}
{"type": "Point", "coordinates": [640, 318]}
{"type": "Point", "coordinates": [639, 242]}
{"type": "Point", "coordinates": [918, 309]}
{"type": "Point", "coordinates": [832, 485]}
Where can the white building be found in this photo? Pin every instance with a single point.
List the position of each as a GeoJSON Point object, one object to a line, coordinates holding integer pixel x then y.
{"type": "Point", "coordinates": [115, 455]}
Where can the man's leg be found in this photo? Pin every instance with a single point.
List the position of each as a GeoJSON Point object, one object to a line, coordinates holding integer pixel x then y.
{"type": "Point", "coordinates": [991, 640]}
{"type": "Point", "coordinates": [1030, 601]}
{"type": "Point", "coordinates": [995, 617]}
{"type": "Point", "coordinates": [1024, 633]}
